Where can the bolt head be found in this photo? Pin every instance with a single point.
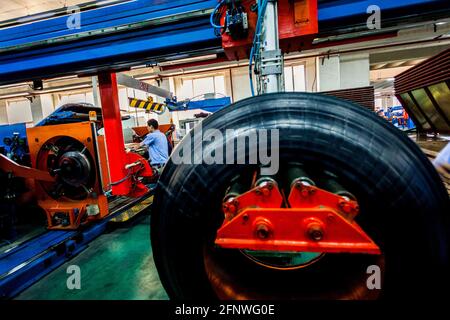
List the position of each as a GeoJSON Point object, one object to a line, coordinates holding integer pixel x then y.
{"type": "Point", "coordinates": [229, 208]}
{"type": "Point", "coordinates": [316, 235]}
{"type": "Point", "coordinates": [330, 218]}
{"type": "Point", "coordinates": [265, 191]}
{"type": "Point", "coordinates": [262, 231]}
{"type": "Point", "coordinates": [315, 232]}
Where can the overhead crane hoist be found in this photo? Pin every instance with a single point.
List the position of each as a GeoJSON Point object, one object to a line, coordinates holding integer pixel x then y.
{"type": "Point", "coordinates": [349, 195]}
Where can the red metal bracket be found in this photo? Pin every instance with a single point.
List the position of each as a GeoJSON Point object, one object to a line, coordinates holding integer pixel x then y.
{"type": "Point", "coordinates": [137, 167]}
{"type": "Point", "coordinates": [318, 221]}
{"type": "Point", "coordinates": [306, 196]}
{"type": "Point", "coordinates": [299, 230]}
{"type": "Point", "coordinates": [266, 195]}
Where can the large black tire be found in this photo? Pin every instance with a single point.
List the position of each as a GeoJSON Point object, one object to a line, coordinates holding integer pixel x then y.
{"type": "Point", "coordinates": [404, 206]}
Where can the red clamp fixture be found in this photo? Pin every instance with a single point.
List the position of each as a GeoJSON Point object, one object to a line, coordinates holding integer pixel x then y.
{"type": "Point", "coordinates": [311, 220]}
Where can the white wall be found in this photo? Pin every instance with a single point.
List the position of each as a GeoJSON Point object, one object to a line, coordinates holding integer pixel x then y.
{"type": "Point", "coordinates": [311, 74]}
{"type": "Point", "coordinates": [354, 71]}
{"type": "Point", "coordinates": [343, 72]}
{"type": "Point", "coordinates": [19, 111]}
{"type": "Point", "coordinates": [240, 83]}
{"type": "Point", "coordinates": [47, 104]}
{"type": "Point", "coordinates": [295, 78]}
{"type": "Point", "coordinates": [328, 73]}
{"type": "Point", "coordinates": [3, 113]}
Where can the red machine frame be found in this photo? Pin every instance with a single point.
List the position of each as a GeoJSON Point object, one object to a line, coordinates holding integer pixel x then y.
{"type": "Point", "coordinates": [297, 25]}
{"type": "Point", "coordinates": [122, 165]}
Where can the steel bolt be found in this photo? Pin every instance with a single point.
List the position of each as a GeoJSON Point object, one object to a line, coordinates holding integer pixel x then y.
{"type": "Point", "coordinates": [330, 218]}
{"type": "Point", "coordinates": [265, 191]}
{"type": "Point", "coordinates": [229, 208]}
{"type": "Point", "coordinates": [315, 232]}
{"type": "Point", "coordinates": [305, 189]}
{"type": "Point", "coordinates": [347, 207]}
{"type": "Point", "coordinates": [262, 231]}
{"type": "Point", "coordinates": [269, 185]}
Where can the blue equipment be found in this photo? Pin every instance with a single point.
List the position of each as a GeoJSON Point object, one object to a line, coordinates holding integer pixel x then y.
{"type": "Point", "coordinates": [140, 32]}
{"type": "Point", "coordinates": [13, 142]}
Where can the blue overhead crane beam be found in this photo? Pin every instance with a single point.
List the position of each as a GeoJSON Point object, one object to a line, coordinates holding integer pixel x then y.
{"type": "Point", "coordinates": [124, 14]}
{"type": "Point", "coordinates": [119, 36]}
{"type": "Point", "coordinates": [147, 31]}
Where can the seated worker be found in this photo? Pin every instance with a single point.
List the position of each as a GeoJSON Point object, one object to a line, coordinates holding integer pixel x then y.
{"type": "Point", "coordinates": [156, 143]}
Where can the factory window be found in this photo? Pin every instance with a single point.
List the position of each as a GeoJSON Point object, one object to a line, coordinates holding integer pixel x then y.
{"type": "Point", "coordinates": [191, 88]}
{"type": "Point", "coordinates": [87, 97]}
{"type": "Point", "coordinates": [295, 78]}
{"type": "Point", "coordinates": [19, 111]}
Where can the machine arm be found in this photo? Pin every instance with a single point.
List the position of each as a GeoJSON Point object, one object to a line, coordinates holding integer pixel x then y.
{"type": "Point", "coordinates": [22, 171]}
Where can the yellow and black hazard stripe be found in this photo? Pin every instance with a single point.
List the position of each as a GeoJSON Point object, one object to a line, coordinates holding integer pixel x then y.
{"type": "Point", "coordinates": [130, 213]}
{"type": "Point", "coordinates": [148, 105]}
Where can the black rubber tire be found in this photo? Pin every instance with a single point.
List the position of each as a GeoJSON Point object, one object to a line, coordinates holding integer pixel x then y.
{"type": "Point", "coordinates": [404, 206]}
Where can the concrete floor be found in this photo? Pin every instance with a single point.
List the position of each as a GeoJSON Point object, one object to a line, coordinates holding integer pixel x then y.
{"type": "Point", "coordinates": [118, 265]}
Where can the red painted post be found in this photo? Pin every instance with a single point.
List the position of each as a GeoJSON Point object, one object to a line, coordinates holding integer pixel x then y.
{"type": "Point", "coordinates": [112, 122]}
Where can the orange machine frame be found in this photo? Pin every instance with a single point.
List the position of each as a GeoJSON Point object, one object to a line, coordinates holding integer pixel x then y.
{"type": "Point", "coordinates": [76, 210]}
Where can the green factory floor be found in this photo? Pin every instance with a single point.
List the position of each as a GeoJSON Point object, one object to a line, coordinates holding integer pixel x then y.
{"type": "Point", "coordinates": [117, 265]}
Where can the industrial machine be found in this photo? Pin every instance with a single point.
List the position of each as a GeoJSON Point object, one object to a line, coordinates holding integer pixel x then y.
{"type": "Point", "coordinates": [76, 157]}
{"type": "Point", "coordinates": [72, 157]}
{"type": "Point", "coordinates": [349, 196]}
{"type": "Point", "coordinates": [67, 179]}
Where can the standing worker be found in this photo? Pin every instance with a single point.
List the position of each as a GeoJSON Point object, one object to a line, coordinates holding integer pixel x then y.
{"type": "Point", "coordinates": [157, 145]}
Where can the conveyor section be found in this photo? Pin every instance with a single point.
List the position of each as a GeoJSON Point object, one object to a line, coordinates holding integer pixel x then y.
{"type": "Point", "coordinates": [26, 263]}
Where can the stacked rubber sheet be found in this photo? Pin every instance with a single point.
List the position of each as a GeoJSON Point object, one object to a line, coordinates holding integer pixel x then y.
{"type": "Point", "coordinates": [364, 96]}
